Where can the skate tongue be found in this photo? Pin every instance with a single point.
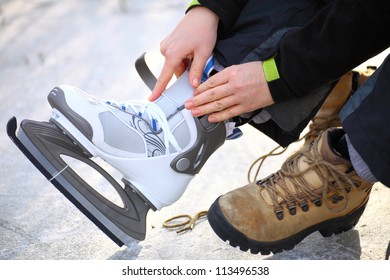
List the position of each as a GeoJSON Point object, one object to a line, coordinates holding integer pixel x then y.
{"type": "Point", "coordinates": [171, 101]}
{"type": "Point", "coordinates": [151, 118]}
{"type": "Point", "coordinates": [165, 114]}
{"type": "Point", "coordinates": [173, 98]}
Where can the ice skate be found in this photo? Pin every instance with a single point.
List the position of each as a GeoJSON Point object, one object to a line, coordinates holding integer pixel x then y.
{"type": "Point", "coordinates": [158, 147]}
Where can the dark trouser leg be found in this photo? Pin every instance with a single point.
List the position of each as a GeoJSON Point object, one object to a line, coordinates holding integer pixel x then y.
{"type": "Point", "coordinates": [366, 120]}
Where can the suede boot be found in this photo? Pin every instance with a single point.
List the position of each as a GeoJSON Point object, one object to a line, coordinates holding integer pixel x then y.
{"type": "Point", "coordinates": [316, 189]}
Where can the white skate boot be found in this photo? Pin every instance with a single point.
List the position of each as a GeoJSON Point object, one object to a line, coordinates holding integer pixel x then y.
{"type": "Point", "coordinates": [157, 146]}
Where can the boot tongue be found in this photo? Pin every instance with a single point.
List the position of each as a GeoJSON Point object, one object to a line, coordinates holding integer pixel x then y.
{"type": "Point", "coordinates": [328, 152]}
{"type": "Point", "coordinates": [337, 98]}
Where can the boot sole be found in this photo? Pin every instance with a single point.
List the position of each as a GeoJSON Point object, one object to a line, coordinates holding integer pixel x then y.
{"type": "Point", "coordinates": [227, 232]}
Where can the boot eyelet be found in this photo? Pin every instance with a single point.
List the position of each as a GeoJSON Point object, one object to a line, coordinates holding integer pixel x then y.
{"type": "Point", "coordinates": [304, 206]}
{"type": "Point", "coordinates": [292, 209]}
{"type": "Point", "coordinates": [317, 202]}
{"type": "Point", "coordinates": [279, 213]}
{"type": "Point", "coordinates": [336, 198]}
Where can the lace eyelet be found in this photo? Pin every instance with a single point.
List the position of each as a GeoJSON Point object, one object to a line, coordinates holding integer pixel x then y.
{"type": "Point", "coordinates": [317, 202]}
{"type": "Point", "coordinates": [336, 198]}
{"type": "Point", "coordinates": [304, 206]}
{"type": "Point", "coordinates": [292, 209]}
{"type": "Point", "coordinates": [279, 213]}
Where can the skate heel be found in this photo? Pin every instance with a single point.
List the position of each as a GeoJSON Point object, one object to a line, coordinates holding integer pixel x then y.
{"type": "Point", "coordinates": [141, 203]}
{"type": "Point", "coordinates": [342, 224]}
{"type": "Point", "coordinates": [72, 124]}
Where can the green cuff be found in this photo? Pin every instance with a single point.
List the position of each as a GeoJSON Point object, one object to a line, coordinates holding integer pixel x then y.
{"type": "Point", "coordinates": [193, 4]}
{"type": "Point", "coordinates": [270, 70]}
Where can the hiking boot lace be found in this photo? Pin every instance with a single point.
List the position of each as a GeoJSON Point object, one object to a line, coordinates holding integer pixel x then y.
{"type": "Point", "coordinates": [318, 125]}
{"type": "Point", "coordinates": [300, 190]}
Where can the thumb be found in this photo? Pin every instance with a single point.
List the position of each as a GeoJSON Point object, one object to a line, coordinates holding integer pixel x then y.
{"type": "Point", "coordinates": [196, 70]}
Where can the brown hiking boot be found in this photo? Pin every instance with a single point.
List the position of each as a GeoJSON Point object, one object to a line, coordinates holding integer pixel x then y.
{"type": "Point", "coordinates": [315, 189]}
{"type": "Point", "coordinates": [328, 115]}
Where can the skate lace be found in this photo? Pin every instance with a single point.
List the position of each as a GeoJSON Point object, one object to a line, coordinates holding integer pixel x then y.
{"type": "Point", "coordinates": [156, 116]}
{"type": "Point", "coordinates": [301, 190]}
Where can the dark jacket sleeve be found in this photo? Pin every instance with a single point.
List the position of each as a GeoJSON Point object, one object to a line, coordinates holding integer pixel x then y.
{"type": "Point", "coordinates": [344, 34]}
{"type": "Point", "coordinates": [228, 11]}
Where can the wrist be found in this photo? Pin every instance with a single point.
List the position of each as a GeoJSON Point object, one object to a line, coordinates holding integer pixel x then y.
{"type": "Point", "coordinates": [204, 15]}
{"type": "Point", "coordinates": [277, 85]}
{"type": "Point", "coordinates": [270, 70]}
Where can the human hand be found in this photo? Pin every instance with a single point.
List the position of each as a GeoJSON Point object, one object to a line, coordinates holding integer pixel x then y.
{"type": "Point", "coordinates": [235, 90]}
{"type": "Point", "coordinates": [193, 38]}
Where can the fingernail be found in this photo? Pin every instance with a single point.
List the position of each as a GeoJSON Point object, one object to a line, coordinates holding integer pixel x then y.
{"type": "Point", "coordinates": [195, 112]}
{"type": "Point", "coordinates": [212, 118]}
{"type": "Point", "coordinates": [195, 82]}
{"type": "Point", "coordinates": [189, 104]}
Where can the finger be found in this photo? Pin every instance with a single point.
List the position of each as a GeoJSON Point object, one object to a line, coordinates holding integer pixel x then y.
{"type": "Point", "coordinates": [216, 80]}
{"type": "Point", "coordinates": [215, 106]}
{"type": "Point", "coordinates": [180, 70]}
{"type": "Point", "coordinates": [183, 66]}
{"type": "Point", "coordinates": [208, 96]}
{"type": "Point", "coordinates": [226, 114]}
{"type": "Point", "coordinates": [165, 76]}
{"type": "Point", "coordinates": [197, 68]}
{"type": "Point", "coordinates": [214, 88]}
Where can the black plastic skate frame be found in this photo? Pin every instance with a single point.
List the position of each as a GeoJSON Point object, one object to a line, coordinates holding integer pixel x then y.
{"type": "Point", "coordinates": [44, 144]}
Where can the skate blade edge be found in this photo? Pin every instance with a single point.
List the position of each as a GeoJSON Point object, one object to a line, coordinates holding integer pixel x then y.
{"type": "Point", "coordinates": [43, 144]}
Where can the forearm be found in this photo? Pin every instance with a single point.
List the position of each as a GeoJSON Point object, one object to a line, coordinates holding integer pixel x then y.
{"type": "Point", "coordinates": [343, 35]}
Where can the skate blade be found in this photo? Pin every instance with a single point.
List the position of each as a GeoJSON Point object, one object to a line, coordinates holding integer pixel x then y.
{"type": "Point", "coordinates": [43, 143]}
